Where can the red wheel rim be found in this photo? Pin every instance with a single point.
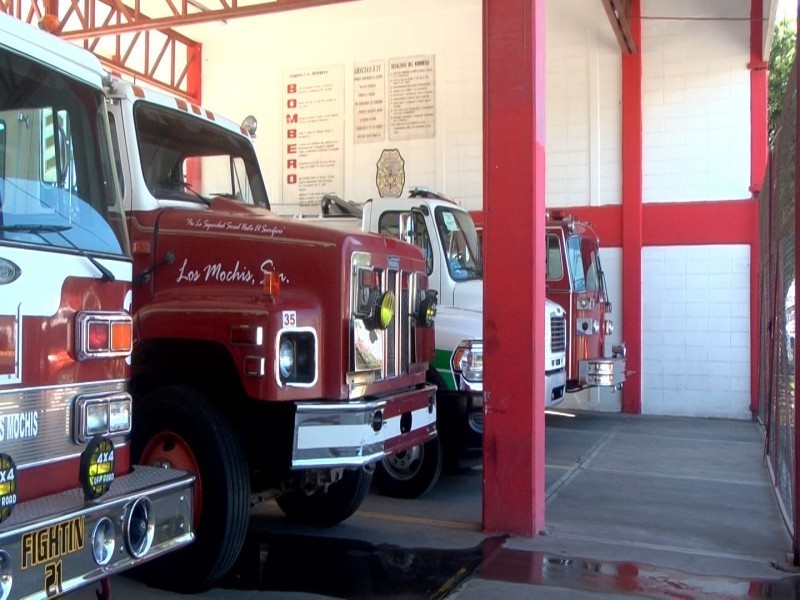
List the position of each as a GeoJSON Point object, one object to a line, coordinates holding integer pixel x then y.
{"type": "Point", "coordinates": [168, 450]}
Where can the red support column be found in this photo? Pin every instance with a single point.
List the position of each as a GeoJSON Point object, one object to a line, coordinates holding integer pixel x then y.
{"type": "Point", "coordinates": [514, 211]}
{"type": "Point", "coordinates": [194, 87]}
{"type": "Point", "coordinates": [759, 146]}
{"type": "Point", "coordinates": [194, 73]}
{"type": "Point", "coordinates": [632, 215]}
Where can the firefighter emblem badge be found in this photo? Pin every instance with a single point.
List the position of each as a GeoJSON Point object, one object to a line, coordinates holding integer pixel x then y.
{"type": "Point", "coordinates": [391, 176]}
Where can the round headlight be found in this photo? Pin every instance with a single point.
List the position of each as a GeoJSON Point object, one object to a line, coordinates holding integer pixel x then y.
{"type": "Point", "coordinates": [286, 358]}
{"type": "Point", "coordinates": [427, 309]}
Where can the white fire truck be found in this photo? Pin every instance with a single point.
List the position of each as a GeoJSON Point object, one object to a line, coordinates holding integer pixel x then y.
{"type": "Point", "coordinates": [446, 234]}
{"type": "Point", "coordinates": [72, 510]}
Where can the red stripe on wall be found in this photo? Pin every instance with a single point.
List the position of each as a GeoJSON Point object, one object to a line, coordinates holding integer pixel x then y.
{"type": "Point", "coordinates": [700, 223]}
{"type": "Point", "coordinates": [674, 223]}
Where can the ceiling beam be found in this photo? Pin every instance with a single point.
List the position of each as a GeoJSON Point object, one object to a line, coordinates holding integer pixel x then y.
{"type": "Point", "coordinates": [145, 46]}
{"type": "Point", "coordinates": [178, 13]}
{"type": "Point", "coordinates": [619, 15]}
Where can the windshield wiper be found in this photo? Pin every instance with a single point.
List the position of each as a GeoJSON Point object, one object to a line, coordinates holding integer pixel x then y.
{"type": "Point", "coordinates": [39, 229]}
{"type": "Point", "coordinates": [34, 228]}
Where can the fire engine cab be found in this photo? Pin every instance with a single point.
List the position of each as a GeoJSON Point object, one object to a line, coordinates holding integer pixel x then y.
{"type": "Point", "coordinates": [274, 359]}
{"type": "Point", "coordinates": [575, 280]}
{"type": "Point", "coordinates": [72, 510]}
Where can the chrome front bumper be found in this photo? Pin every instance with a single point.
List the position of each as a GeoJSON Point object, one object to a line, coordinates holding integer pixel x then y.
{"type": "Point", "coordinates": [555, 386]}
{"type": "Point", "coordinates": [352, 434]}
{"type": "Point", "coordinates": [602, 372]}
{"type": "Point", "coordinates": [46, 545]}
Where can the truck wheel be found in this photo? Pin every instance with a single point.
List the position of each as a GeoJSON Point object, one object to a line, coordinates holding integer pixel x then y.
{"type": "Point", "coordinates": [324, 509]}
{"type": "Point", "coordinates": [411, 473]}
{"type": "Point", "coordinates": [176, 427]}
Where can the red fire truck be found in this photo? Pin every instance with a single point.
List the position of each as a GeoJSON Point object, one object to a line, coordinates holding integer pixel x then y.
{"type": "Point", "coordinates": [273, 358]}
{"type": "Point", "coordinates": [576, 281]}
{"type": "Point", "coordinates": [71, 509]}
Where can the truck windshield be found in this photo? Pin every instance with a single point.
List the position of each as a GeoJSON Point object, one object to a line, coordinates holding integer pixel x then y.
{"type": "Point", "coordinates": [57, 184]}
{"type": "Point", "coordinates": [460, 244]}
{"type": "Point", "coordinates": [188, 158]}
{"type": "Point", "coordinates": [584, 264]}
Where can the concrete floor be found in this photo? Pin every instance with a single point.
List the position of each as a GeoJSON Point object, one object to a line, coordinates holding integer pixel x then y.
{"type": "Point", "coordinates": [636, 507]}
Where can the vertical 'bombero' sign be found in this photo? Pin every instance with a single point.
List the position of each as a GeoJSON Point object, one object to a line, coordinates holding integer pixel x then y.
{"type": "Point", "coordinates": [313, 134]}
{"type": "Point", "coordinates": [412, 98]}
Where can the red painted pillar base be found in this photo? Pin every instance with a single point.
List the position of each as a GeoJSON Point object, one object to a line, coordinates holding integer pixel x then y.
{"type": "Point", "coordinates": [514, 201]}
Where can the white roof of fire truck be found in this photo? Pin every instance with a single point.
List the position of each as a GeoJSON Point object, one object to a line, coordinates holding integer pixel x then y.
{"type": "Point", "coordinates": [120, 88]}
{"type": "Point", "coordinates": [24, 39]}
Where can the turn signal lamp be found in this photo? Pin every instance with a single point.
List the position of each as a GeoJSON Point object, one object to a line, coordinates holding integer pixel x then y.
{"type": "Point", "coordinates": [98, 336]}
{"type": "Point", "coordinates": [467, 359]}
{"type": "Point", "coordinates": [121, 336]}
{"type": "Point", "coordinates": [272, 284]}
{"type": "Point", "coordinates": [102, 335]}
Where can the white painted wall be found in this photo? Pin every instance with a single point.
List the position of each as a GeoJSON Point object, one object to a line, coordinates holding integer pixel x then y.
{"type": "Point", "coordinates": [243, 63]}
{"type": "Point", "coordinates": [696, 331]}
{"type": "Point", "coordinates": [696, 101]}
{"type": "Point", "coordinates": [583, 108]}
{"type": "Point", "coordinates": [696, 132]}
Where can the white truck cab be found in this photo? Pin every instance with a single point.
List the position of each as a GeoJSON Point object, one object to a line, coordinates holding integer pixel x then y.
{"type": "Point", "coordinates": [446, 233]}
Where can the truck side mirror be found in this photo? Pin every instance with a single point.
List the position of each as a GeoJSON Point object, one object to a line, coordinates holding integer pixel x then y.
{"type": "Point", "coordinates": [406, 227]}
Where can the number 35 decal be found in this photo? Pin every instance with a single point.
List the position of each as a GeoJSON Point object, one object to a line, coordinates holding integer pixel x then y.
{"type": "Point", "coordinates": [289, 318]}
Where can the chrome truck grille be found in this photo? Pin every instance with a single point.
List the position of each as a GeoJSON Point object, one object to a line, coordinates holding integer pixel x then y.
{"type": "Point", "coordinates": [558, 333]}
{"type": "Point", "coordinates": [399, 334]}
{"type": "Point", "coordinates": [379, 353]}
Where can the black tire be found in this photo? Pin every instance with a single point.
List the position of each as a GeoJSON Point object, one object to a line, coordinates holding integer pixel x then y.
{"type": "Point", "coordinates": [411, 473]}
{"type": "Point", "coordinates": [181, 418]}
{"type": "Point", "coordinates": [324, 509]}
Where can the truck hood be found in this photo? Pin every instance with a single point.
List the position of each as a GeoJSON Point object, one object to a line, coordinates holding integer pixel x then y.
{"type": "Point", "coordinates": [467, 295]}
{"type": "Point", "coordinates": [225, 250]}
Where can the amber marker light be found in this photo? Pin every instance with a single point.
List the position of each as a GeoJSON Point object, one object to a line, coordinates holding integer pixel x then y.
{"type": "Point", "coordinates": [272, 284]}
{"type": "Point", "coordinates": [140, 247]}
{"type": "Point", "coordinates": [50, 23]}
{"type": "Point", "coordinates": [121, 336]}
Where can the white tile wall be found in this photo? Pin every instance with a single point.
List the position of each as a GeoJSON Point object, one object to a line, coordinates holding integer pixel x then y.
{"type": "Point", "coordinates": [696, 101]}
{"type": "Point", "coordinates": [696, 331]}
{"type": "Point", "coordinates": [583, 109]}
